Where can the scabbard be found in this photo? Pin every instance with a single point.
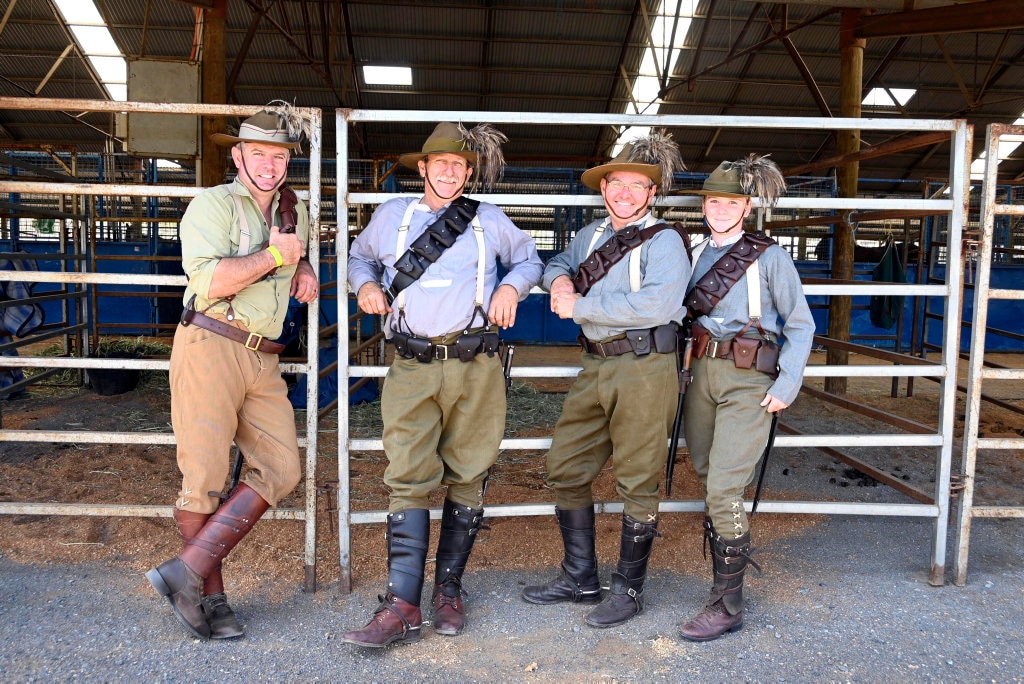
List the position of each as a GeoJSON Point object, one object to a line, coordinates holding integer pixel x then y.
{"type": "Point", "coordinates": [764, 461]}
{"type": "Point", "coordinates": [670, 464]}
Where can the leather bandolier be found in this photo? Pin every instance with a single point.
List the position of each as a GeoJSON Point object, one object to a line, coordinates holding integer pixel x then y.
{"type": "Point", "coordinates": [428, 247]}
{"type": "Point", "coordinates": [611, 252]}
{"type": "Point", "coordinates": [726, 272]}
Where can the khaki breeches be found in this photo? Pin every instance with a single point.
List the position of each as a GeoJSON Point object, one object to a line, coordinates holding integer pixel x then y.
{"type": "Point", "coordinates": [443, 423]}
{"type": "Point", "coordinates": [726, 431]}
{"type": "Point", "coordinates": [221, 393]}
{"type": "Point", "coordinates": [623, 404]}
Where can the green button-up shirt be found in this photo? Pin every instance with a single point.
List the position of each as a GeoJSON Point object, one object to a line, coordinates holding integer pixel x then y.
{"type": "Point", "coordinates": [210, 231]}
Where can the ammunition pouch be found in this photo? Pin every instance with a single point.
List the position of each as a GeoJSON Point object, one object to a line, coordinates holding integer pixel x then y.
{"type": "Point", "coordinates": [758, 353]}
{"type": "Point", "coordinates": [465, 348]}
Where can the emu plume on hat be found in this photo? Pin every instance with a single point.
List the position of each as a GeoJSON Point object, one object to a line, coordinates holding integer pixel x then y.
{"type": "Point", "coordinates": [480, 146]}
{"type": "Point", "coordinates": [278, 123]}
{"type": "Point", "coordinates": [655, 155]}
{"type": "Point", "coordinates": [753, 176]}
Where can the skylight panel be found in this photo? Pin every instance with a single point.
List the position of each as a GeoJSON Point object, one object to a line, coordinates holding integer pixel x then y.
{"type": "Point", "coordinates": [666, 42]}
{"type": "Point", "coordinates": [94, 40]}
{"type": "Point", "coordinates": [888, 97]}
{"type": "Point", "coordinates": [80, 12]}
{"type": "Point", "coordinates": [1003, 151]}
{"type": "Point", "coordinates": [387, 75]}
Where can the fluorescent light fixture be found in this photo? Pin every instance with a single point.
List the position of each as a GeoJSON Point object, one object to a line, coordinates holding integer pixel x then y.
{"type": "Point", "coordinates": [98, 46]}
{"type": "Point", "coordinates": [387, 75]}
{"type": "Point", "coordinates": [888, 97]}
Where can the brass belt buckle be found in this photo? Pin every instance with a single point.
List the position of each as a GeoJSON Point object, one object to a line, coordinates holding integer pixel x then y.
{"type": "Point", "coordinates": [438, 349]}
{"type": "Point", "coordinates": [712, 349]}
{"type": "Point", "coordinates": [253, 346]}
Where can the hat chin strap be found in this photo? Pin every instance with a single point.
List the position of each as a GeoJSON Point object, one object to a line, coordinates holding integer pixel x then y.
{"type": "Point", "coordinates": [455, 194]}
{"type": "Point", "coordinates": [253, 180]}
{"type": "Point", "coordinates": [722, 232]}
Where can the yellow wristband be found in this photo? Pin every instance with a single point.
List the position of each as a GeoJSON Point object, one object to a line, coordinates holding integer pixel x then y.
{"type": "Point", "coordinates": [276, 253]}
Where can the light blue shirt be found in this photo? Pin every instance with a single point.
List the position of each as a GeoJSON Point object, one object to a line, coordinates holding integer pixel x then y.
{"type": "Point", "coordinates": [441, 301]}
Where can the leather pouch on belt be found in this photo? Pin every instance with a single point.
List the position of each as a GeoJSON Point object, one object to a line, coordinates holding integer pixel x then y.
{"type": "Point", "coordinates": [401, 342]}
{"type": "Point", "coordinates": [744, 351]}
{"type": "Point", "coordinates": [468, 346]}
{"type": "Point", "coordinates": [422, 349]}
{"type": "Point", "coordinates": [768, 358]}
{"type": "Point", "coordinates": [491, 343]}
{"type": "Point", "coordinates": [665, 338]}
{"type": "Point", "coordinates": [640, 341]}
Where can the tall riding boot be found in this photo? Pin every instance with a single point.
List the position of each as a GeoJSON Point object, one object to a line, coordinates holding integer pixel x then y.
{"type": "Point", "coordinates": [578, 581]}
{"type": "Point", "coordinates": [398, 617]}
{"type": "Point", "coordinates": [723, 611]}
{"type": "Point", "coordinates": [626, 598]}
{"type": "Point", "coordinates": [222, 620]}
{"type": "Point", "coordinates": [181, 579]}
{"type": "Point", "coordinates": [459, 525]}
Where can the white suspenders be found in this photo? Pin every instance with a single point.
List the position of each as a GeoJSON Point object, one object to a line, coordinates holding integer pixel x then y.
{"type": "Point", "coordinates": [634, 254]}
{"type": "Point", "coordinates": [478, 231]}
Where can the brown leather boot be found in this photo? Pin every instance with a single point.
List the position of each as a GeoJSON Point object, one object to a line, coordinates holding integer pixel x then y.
{"type": "Point", "coordinates": [578, 581]}
{"type": "Point", "coordinates": [220, 617]}
{"type": "Point", "coordinates": [181, 579]}
{"type": "Point", "coordinates": [723, 612]}
{"type": "Point", "coordinates": [459, 526]}
{"type": "Point", "coordinates": [449, 616]}
{"type": "Point", "coordinates": [398, 616]}
{"type": "Point", "coordinates": [394, 620]}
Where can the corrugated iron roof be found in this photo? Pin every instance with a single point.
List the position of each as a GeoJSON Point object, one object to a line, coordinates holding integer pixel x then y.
{"type": "Point", "coordinates": [562, 56]}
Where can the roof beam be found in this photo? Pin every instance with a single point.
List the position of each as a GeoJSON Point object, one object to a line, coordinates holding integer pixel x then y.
{"type": "Point", "coordinates": [992, 15]}
{"type": "Point", "coordinates": [7, 15]}
{"type": "Point", "coordinates": [801, 65]}
{"type": "Point", "coordinates": [202, 4]}
{"type": "Point", "coordinates": [882, 150]}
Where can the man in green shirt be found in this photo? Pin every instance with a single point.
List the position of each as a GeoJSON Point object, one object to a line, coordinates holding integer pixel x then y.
{"type": "Point", "coordinates": [243, 248]}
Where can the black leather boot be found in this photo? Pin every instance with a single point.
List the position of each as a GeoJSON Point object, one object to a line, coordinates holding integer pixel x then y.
{"type": "Point", "coordinates": [723, 611]}
{"type": "Point", "coordinates": [459, 525]}
{"type": "Point", "coordinates": [626, 599]}
{"type": "Point", "coordinates": [182, 579]}
{"type": "Point", "coordinates": [398, 617]}
{"type": "Point", "coordinates": [578, 581]}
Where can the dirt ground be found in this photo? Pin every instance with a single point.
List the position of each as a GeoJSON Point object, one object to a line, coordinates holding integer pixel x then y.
{"type": "Point", "coordinates": [273, 554]}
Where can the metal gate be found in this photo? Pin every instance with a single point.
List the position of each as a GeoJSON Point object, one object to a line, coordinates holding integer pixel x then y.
{"type": "Point", "coordinates": [953, 205]}
{"type": "Point", "coordinates": [86, 278]}
{"type": "Point", "coordinates": [978, 372]}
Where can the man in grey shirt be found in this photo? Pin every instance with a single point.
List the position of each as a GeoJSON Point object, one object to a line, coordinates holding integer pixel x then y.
{"type": "Point", "coordinates": [624, 399]}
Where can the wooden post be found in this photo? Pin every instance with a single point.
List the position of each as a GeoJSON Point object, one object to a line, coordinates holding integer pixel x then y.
{"type": "Point", "coordinates": [214, 92]}
{"type": "Point", "coordinates": [848, 141]}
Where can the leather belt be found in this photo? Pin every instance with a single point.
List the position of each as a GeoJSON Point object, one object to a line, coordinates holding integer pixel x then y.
{"type": "Point", "coordinates": [716, 349]}
{"type": "Point", "coordinates": [661, 339]}
{"type": "Point", "coordinates": [606, 349]}
{"type": "Point", "coordinates": [465, 347]}
{"type": "Point", "coordinates": [251, 341]}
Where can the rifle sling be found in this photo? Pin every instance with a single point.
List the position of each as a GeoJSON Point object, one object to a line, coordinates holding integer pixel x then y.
{"type": "Point", "coordinates": [726, 272]}
{"type": "Point", "coordinates": [601, 260]}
